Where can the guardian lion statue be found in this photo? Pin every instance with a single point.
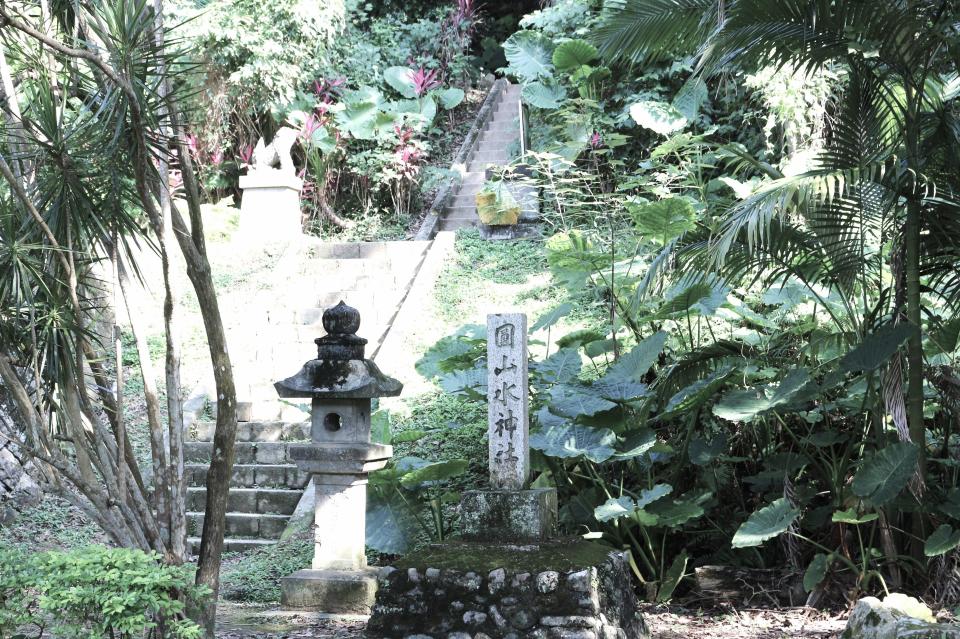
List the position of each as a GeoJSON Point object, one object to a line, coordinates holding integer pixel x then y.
{"type": "Point", "coordinates": [276, 155]}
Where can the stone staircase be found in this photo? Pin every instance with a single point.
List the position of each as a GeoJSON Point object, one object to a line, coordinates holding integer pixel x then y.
{"type": "Point", "coordinates": [374, 278]}
{"type": "Point", "coordinates": [500, 136]}
{"type": "Point", "coordinates": [265, 487]}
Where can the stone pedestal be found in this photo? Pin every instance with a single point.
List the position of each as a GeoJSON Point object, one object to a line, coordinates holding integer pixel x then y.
{"type": "Point", "coordinates": [270, 207]}
{"type": "Point", "coordinates": [342, 592]}
{"type": "Point", "coordinates": [520, 516]}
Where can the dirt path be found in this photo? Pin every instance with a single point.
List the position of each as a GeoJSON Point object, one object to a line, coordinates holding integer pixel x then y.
{"type": "Point", "coordinates": [243, 622]}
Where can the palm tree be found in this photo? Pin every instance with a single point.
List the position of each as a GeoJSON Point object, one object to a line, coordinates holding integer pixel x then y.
{"type": "Point", "coordinates": [887, 175]}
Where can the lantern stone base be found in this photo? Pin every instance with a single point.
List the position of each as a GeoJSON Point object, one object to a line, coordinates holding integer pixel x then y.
{"type": "Point", "coordinates": [558, 589]}
{"type": "Point", "coordinates": [343, 592]}
{"type": "Point", "coordinates": [509, 515]}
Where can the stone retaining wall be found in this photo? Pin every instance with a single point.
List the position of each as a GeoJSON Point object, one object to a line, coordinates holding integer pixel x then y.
{"type": "Point", "coordinates": [592, 602]}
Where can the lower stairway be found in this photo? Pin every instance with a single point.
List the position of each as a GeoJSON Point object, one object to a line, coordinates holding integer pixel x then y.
{"type": "Point", "coordinates": [265, 487]}
{"type": "Point", "coordinates": [374, 278]}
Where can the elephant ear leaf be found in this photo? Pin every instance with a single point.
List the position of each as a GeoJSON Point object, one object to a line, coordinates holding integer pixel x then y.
{"type": "Point", "coordinates": [659, 117]}
{"type": "Point", "coordinates": [567, 440]}
{"type": "Point", "coordinates": [400, 80]}
{"type": "Point", "coordinates": [544, 95]}
{"type": "Point", "coordinates": [943, 540]}
{"type": "Point", "coordinates": [573, 54]}
{"type": "Point", "coordinates": [816, 571]}
{"type": "Point", "coordinates": [450, 98]}
{"type": "Point", "coordinates": [766, 523]}
{"type": "Point", "coordinates": [877, 348]}
{"type": "Point", "coordinates": [530, 55]}
{"type": "Point", "coordinates": [884, 474]}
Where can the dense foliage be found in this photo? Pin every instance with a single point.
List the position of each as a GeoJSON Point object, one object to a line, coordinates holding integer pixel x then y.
{"type": "Point", "coordinates": [757, 200]}
{"type": "Point", "coordinates": [95, 593]}
{"type": "Point", "coordinates": [365, 86]}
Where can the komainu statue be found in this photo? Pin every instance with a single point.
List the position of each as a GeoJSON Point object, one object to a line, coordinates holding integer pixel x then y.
{"type": "Point", "coordinates": [276, 155]}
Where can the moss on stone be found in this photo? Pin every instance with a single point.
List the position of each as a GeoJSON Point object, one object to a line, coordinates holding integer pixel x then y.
{"type": "Point", "coordinates": [562, 555]}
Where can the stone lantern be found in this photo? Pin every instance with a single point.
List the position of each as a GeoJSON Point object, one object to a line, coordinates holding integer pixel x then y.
{"type": "Point", "coordinates": [340, 456]}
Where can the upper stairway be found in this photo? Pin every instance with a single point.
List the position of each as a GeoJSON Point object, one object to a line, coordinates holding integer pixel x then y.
{"type": "Point", "coordinates": [500, 137]}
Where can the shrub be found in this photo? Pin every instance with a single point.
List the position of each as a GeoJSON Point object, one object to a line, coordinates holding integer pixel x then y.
{"type": "Point", "coordinates": [96, 592]}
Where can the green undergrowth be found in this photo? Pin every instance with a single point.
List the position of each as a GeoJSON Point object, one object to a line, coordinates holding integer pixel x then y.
{"type": "Point", "coordinates": [53, 524]}
{"type": "Point", "coordinates": [454, 429]}
{"type": "Point", "coordinates": [255, 576]}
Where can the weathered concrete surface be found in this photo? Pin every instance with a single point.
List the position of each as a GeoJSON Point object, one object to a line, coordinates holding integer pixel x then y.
{"type": "Point", "coordinates": [896, 617]}
{"type": "Point", "coordinates": [348, 592]}
{"type": "Point", "coordinates": [509, 515]}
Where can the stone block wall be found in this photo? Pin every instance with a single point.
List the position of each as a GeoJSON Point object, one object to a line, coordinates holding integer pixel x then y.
{"type": "Point", "coordinates": [593, 602]}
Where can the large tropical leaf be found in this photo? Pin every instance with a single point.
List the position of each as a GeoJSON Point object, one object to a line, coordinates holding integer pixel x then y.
{"type": "Point", "coordinates": [551, 317]}
{"type": "Point", "coordinates": [573, 440]}
{"type": "Point", "coordinates": [634, 29]}
{"type": "Point", "coordinates": [884, 474]}
{"type": "Point", "coordinates": [544, 94]}
{"type": "Point", "coordinates": [696, 394]}
{"type": "Point", "coordinates": [663, 221]}
{"type": "Point", "coordinates": [434, 472]}
{"type": "Point", "coordinates": [659, 117]}
{"type": "Point", "coordinates": [577, 401]}
{"type": "Point", "coordinates": [943, 540]}
{"type": "Point", "coordinates": [746, 405]}
{"type": "Point", "coordinates": [633, 366]}
{"type": "Point", "coordinates": [562, 366]}
{"type": "Point", "coordinates": [573, 54]}
{"type": "Point", "coordinates": [400, 80]}
{"type": "Point", "coordinates": [764, 524]}
{"type": "Point", "coordinates": [816, 571]}
{"type": "Point", "coordinates": [530, 55]}
{"type": "Point", "coordinates": [877, 348]}
{"type": "Point", "coordinates": [628, 507]}
{"type": "Point", "coordinates": [450, 98]}
{"type": "Point", "coordinates": [671, 578]}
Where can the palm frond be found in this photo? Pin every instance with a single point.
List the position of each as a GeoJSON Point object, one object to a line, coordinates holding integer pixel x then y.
{"type": "Point", "coordinates": [631, 30]}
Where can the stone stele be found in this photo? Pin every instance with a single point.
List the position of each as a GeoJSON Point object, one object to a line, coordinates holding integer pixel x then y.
{"type": "Point", "coordinates": [270, 206]}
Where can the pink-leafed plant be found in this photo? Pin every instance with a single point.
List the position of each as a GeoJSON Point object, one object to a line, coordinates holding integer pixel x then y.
{"type": "Point", "coordinates": [424, 80]}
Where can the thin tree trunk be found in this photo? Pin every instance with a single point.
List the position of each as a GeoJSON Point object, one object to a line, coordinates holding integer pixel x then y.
{"type": "Point", "coordinates": [178, 491]}
{"type": "Point", "coordinates": [158, 448]}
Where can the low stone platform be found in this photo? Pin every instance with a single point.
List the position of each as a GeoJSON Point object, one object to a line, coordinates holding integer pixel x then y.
{"type": "Point", "coordinates": [564, 589]}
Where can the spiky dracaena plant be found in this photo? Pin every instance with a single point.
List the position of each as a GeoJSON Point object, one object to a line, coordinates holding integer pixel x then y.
{"type": "Point", "coordinates": [886, 176]}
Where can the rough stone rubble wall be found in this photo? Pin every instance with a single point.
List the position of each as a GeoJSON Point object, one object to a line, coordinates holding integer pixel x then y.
{"type": "Point", "coordinates": [591, 603]}
{"type": "Point", "coordinates": [17, 488]}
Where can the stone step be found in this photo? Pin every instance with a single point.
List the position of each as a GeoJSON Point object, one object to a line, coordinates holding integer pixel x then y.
{"type": "Point", "coordinates": [365, 250]}
{"type": "Point", "coordinates": [462, 211]}
{"type": "Point", "coordinates": [233, 545]}
{"type": "Point", "coordinates": [496, 156]}
{"type": "Point", "coordinates": [245, 452]}
{"type": "Point", "coordinates": [268, 431]}
{"type": "Point", "coordinates": [243, 525]}
{"type": "Point", "coordinates": [464, 200]}
{"type": "Point", "coordinates": [503, 128]}
{"type": "Point", "coordinates": [283, 476]}
{"type": "Point", "coordinates": [266, 501]}
{"type": "Point", "coordinates": [457, 224]}
{"type": "Point", "coordinates": [497, 140]}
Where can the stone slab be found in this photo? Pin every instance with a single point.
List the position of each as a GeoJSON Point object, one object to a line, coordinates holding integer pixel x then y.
{"type": "Point", "coordinates": [350, 592]}
{"type": "Point", "coordinates": [509, 515]}
{"type": "Point", "coordinates": [562, 589]}
{"type": "Point", "coordinates": [520, 231]}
